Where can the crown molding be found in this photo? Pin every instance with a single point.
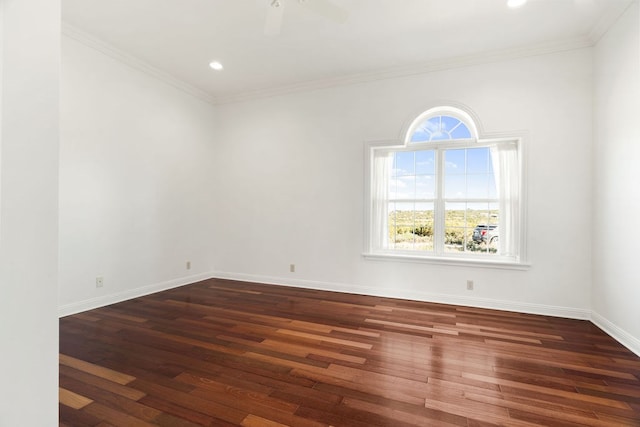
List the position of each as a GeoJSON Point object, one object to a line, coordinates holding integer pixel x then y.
{"type": "Point", "coordinates": [352, 79]}
{"type": "Point", "coordinates": [608, 19]}
{"type": "Point", "coordinates": [423, 68]}
{"type": "Point", "coordinates": [134, 62]}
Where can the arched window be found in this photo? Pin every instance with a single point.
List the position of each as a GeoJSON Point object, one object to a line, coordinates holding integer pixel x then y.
{"type": "Point", "coordinates": [446, 193]}
{"type": "Point", "coordinates": [442, 124]}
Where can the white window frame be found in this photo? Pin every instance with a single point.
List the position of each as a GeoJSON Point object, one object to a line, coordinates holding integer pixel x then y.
{"type": "Point", "coordinates": [373, 235]}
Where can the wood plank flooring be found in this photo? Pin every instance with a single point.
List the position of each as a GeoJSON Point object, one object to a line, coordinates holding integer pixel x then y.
{"type": "Point", "coordinates": [226, 353]}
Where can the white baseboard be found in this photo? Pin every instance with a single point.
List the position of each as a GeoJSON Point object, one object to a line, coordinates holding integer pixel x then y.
{"type": "Point", "coordinates": [619, 334]}
{"type": "Point", "coordinates": [546, 310]}
{"type": "Point", "coordinates": [102, 301]}
{"type": "Point", "coordinates": [622, 336]}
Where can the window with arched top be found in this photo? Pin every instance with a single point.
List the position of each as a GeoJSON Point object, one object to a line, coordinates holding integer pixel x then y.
{"type": "Point", "coordinates": [445, 193]}
{"type": "Point", "coordinates": [442, 125]}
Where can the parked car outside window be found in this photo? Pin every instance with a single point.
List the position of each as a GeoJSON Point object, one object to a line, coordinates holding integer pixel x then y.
{"type": "Point", "coordinates": [486, 233]}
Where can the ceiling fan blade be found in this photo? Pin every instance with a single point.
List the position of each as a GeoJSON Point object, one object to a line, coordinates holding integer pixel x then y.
{"type": "Point", "coordinates": [327, 9]}
{"type": "Point", "coordinates": [273, 22]}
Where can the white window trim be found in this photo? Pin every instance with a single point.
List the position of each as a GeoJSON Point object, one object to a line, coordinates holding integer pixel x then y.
{"type": "Point", "coordinates": [469, 260]}
{"type": "Point", "coordinates": [450, 260]}
{"type": "Point", "coordinates": [455, 112]}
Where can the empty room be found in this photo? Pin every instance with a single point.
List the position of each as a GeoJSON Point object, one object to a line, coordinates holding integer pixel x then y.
{"type": "Point", "coordinates": [320, 213]}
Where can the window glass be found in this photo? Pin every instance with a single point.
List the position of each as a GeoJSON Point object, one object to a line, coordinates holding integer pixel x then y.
{"type": "Point", "coordinates": [425, 162]}
{"type": "Point", "coordinates": [404, 163]}
{"type": "Point", "coordinates": [446, 199]}
{"type": "Point", "coordinates": [440, 128]}
{"type": "Point", "coordinates": [411, 226]}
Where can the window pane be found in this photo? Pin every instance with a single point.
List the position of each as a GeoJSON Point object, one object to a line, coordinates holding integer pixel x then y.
{"type": "Point", "coordinates": [455, 187]}
{"type": "Point", "coordinates": [471, 227]}
{"type": "Point", "coordinates": [423, 229]}
{"type": "Point", "coordinates": [448, 124]}
{"type": "Point", "coordinates": [413, 176]}
{"type": "Point", "coordinates": [461, 132]}
{"type": "Point", "coordinates": [440, 128]}
{"type": "Point", "coordinates": [411, 226]}
{"type": "Point", "coordinates": [404, 217]}
{"type": "Point", "coordinates": [425, 162]}
{"type": "Point", "coordinates": [435, 125]}
{"type": "Point", "coordinates": [404, 163]}
{"type": "Point", "coordinates": [456, 230]}
{"type": "Point", "coordinates": [400, 217]}
{"type": "Point", "coordinates": [478, 186]}
{"type": "Point", "coordinates": [484, 217]}
{"type": "Point", "coordinates": [421, 135]}
{"type": "Point", "coordinates": [469, 174]}
{"type": "Point", "coordinates": [458, 181]}
{"type": "Point", "coordinates": [404, 187]}
{"type": "Point", "coordinates": [478, 160]}
{"type": "Point", "coordinates": [425, 187]}
{"type": "Point", "coordinates": [454, 162]}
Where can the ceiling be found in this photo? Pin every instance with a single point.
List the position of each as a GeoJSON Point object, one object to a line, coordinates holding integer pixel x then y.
{"type": "Point", "coordinates": [178, 38]}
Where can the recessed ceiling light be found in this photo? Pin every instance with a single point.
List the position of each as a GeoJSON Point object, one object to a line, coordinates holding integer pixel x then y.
{"type": "Point", "coordinates": [216, 65]}
{"type": "Point", "coordinates": [515, 3]}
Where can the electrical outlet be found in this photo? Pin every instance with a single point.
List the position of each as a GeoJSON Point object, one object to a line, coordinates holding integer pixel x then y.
{"type": "Point", "coordinates": [99, 282]}
{"type": "Point", "coordinates": [292, 268]}
{"type": "Point", "coordinates": [469, 285]}
{"type": "Point", "coordinates": [188, 265]}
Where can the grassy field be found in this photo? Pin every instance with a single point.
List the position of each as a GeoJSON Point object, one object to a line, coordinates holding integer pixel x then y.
{"type": "Point", "coordinates": [413, 230]}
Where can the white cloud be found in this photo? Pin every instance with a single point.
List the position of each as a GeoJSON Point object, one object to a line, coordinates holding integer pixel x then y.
{"type": "Point", "coordinates": [451, 165]}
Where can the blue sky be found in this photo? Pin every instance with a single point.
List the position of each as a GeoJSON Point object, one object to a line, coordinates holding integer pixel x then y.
{"type": "Point", "coordinates": [468, 173]}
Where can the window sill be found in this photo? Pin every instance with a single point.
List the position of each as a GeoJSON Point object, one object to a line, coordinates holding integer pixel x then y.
{"type": "Point", "coordinates": [452, 261]}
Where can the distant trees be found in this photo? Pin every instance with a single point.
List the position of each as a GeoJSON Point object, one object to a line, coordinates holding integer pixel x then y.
{"type": "Point", "coordinates": [414, 229]}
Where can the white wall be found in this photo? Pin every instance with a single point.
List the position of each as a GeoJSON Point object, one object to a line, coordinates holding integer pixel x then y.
{"type": "Point", "coordinates": [291, 174]}
{"type": "Point", "coordinates": [616, 290]}
{"type": "Point", "coordinates": [30, 57]}
{"type": "Point", "coordinates": [136, 194]}
{"type": "Point", "coordinates": [151, 177]}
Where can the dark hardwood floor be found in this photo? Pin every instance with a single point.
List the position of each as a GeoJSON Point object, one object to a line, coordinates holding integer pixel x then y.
{"type": "Point", "coordinates": [225, 353]}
